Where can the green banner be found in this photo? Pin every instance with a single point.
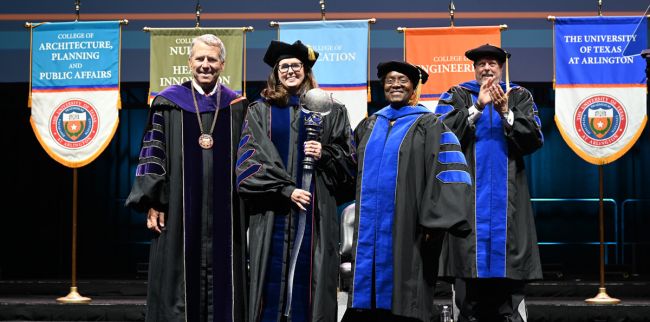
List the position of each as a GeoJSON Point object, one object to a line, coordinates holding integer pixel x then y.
{"type": "Point", "coordinates": [170, 49]}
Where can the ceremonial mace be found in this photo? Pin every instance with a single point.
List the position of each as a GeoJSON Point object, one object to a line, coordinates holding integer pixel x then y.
{"type": "Point", "coordinates": [315, 104]}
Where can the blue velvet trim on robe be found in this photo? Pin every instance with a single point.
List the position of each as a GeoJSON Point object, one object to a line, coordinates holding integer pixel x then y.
{"type": "Point", "coordinates": [252, 169]}
{"type": "Point", "coordinates": [538, 121]}
{"type": "Point", "coordinates": [491, 150]}
{"type": "Point", "coordinates": [474, 87]}
{"type": "Point", "coordinates": [280, 132]}
{"type": "Point", "coordinates": [454, 176]}
{"type": "Point", "coordinates": [244, 157]}
{"type": "Point", "coordinates": [244, 140]}
{"type": "Point", "coordinates": [247, 173]}
{"type": "Point", "coordinates": [443, 108]}
{"type": "Point", "coordinates": [374, 256]}
{"type": "Point", "coordinates": [491, 188]}
{"type": "Point", "coordinates": [449, 138]}
{"type": "Point", "coordinates": [448, 157]}
{"type": "Point", "coordinates": [275, 282]}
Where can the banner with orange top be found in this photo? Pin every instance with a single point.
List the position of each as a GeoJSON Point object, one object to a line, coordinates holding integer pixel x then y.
{"type": "Point", "coordinates": [441, 52]}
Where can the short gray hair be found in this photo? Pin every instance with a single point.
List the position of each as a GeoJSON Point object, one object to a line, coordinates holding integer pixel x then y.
{"type": "Point", "coordinates": [210, 40]}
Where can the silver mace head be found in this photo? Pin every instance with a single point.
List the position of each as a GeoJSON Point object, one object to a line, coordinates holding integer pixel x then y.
{"type": "Point", "coordinates": [317, 100]}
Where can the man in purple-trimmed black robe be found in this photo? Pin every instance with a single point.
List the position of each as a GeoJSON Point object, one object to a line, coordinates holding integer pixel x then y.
{"type": "Point", "coordinates": [197, 259]}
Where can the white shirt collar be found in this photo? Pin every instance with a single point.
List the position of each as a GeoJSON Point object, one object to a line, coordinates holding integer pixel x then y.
{"type": "Point", "coordinates": [200, 90]}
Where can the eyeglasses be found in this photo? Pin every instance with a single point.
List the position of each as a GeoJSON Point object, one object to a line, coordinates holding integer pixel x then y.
{"type": "Point", "coordinates": [483, 63]}
{"type": "Point", "coordinates": [401, 81]}
{"type": "Point", "coordinates": [284, 68]}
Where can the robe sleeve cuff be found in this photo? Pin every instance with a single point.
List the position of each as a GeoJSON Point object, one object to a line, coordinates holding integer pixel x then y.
{"type": "Point", "coordinates": [287, 191]}
{"type": "Point", "coordinates": [325, 159]}
{"type": "Point", "coordinates": [474, 114]}
{"type": "Point", "coordinates": [508, 119]}
{"type": "Point", "coordinates": [460, 229]}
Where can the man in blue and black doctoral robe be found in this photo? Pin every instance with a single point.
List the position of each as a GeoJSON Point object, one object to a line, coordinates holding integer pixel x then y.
{"type": "Point", "coordinates": [496, 128]}
{"type": "Point", "coordinates": [197, 269]}
{"type": "Point", "coordinates": [411, 189]}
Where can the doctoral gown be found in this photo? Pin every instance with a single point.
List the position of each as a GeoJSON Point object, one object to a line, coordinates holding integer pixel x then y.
{"type": "Point", "coordinates": [412, 187]}
{"type": "Point", "coordinates": [197, 264]}
{"type": "Point", "coordinates": [269, 169]}
{"type": "Point", "coordinates": [503, 243]}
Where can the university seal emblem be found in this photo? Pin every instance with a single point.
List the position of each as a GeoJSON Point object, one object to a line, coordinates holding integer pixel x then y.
{"type": "Point", "coordinates": [74, 124]}
{"type": "Point", "coordinates": [600, 120]}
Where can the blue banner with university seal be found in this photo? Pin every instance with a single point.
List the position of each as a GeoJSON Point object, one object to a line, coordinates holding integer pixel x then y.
{"type": "Point", "coordinates": [342, 65]}
{"type": "Point", "coordinates": [600, 81]}
{"type": "Point", "coordinates": [74, 88]}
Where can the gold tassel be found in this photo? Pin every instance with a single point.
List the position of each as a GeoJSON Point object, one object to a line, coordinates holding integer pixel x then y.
{"type": "Point", "coordinates": [119, 96]}
{"type": "Point", "coordinates": [418, 90]}
{"type": "Point", "coordinates": [369, 96]}
{"type": "Point", "coordinates": [310, 53]}
{"type": "Point", "coordinates": [243, 92]}
{"type": "Point", "coordinates": [416, 95]}
{"type": "Point", "coordinates": [119, 75]}
{"type": "Point", "coordinates": [554, 71]}
{"type": "Point", "coordinates": [31, 41]}
{"type": "Point", "coordinates": [507, 75]}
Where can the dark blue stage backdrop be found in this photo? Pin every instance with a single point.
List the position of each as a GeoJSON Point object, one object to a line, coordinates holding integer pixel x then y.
{"type": "Point", "coordinates": [35, 226]}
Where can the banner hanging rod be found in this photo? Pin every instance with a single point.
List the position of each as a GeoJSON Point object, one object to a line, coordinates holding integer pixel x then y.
{"type": "Point", "coordinates": [29, 24]}
{"type": "Point", "coordinates": [246, 29]}
{"type": "Point", "coordinates": [402, 29]}
{"type": "Point", "coordinates": [277, 23]}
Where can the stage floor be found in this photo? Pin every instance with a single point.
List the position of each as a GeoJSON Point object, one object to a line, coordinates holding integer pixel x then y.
{"type": "Point", "coordinates": [124, 300]}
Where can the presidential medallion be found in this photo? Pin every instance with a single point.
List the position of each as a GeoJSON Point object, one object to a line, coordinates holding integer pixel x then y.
{"type": "Point", "coordinates": [205, 141]}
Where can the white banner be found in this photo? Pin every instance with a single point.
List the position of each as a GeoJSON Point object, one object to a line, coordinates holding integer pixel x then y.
{"type": "Point", "coordinates": [602, 123]}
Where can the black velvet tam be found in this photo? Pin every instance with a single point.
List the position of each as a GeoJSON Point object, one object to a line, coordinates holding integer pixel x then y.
{"type": "Point", "coordinates": [279, 50]}
{"type": "Point", "coordinates": [414, 73]}
{"type": "Point", "coordinates": [487, 50]}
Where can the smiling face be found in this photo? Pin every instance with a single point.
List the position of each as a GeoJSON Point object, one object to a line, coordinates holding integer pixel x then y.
{"type": "Point", "coordinates": [486, 68]}
{"type": "Point", "coordinates": [398, 89]}
{"type": "Point", "coordinates": [206, 65]}
{"type": "Point", "coordinates": [291, 73]}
